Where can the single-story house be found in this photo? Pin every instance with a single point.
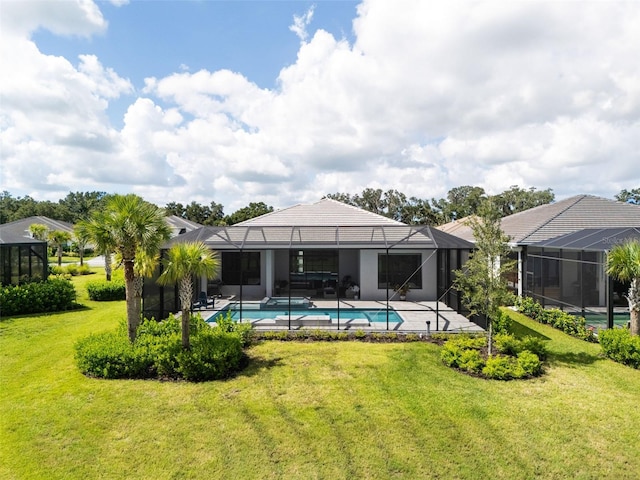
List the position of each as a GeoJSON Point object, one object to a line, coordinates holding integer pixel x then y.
{"type": "Point", "coordinates": [561, 251]}
{"type": "Point", "coordinates": [326, 250]}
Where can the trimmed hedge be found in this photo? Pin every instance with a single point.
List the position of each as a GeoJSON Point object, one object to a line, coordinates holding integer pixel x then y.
{"type": "Point", "coordinates": [158, 353]}
{"type": "Point", "coordinates": [571, 324]}
{"type": "Point", "coordinates": [103, 291]}
{"type": "Point", "coordinates": [619, 345]}
{"type": "Point", "coordinates": [53, 295]}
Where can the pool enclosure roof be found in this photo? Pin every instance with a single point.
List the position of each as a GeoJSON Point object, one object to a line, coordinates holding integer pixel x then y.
{"type": "Point", "coordinates": [257, 237]}
{"type": "Point", "coordinates": [592, 239]}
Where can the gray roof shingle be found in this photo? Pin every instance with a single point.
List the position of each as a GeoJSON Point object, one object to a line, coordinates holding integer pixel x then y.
{"type": "Point", "coordinates": [559, 218]}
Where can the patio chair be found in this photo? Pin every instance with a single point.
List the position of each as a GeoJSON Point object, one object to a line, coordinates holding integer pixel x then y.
{"type": "Point", "coordinates": [203, 301]}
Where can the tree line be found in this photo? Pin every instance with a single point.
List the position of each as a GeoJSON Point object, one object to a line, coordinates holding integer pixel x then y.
{"type": "Point", "coordinates": [460, 202]}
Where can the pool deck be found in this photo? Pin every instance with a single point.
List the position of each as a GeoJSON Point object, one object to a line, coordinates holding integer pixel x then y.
{"type": "Point", "coordinates": [415, 316]}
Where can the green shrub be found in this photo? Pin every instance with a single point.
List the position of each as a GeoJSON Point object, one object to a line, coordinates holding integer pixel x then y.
{"type": "Point", "coordinates": [103, 291]}
{"type": "Point", "coordinates": [111, 355]}
{"type": "Point", "coordinates": [225, 323]}
{"type": "Point", "coordinates": [500, 367]}
{"type": "Point", "coordinates": [213, 355]}
{"type": "Point", "coordinates": [471, 361]}
{"type": "Point", "coordinates": [619, 345]}
{"type": "Point", "coordinates": [502, 323]}
{"type": "Point", "coordinates": [157, 352]}
{"type": "Point", "coordinates": [529, 364]}
{"type": "Point", "coordinates": [534, 345]}
{"type": "Point", "coordinates": [571, 324]}
{"type": "Point", "coordinates": [53, 295]}
{"type": "Point", "coordinates": [507, 344]}
{"type": "Point", "coordinates": [72, 269]}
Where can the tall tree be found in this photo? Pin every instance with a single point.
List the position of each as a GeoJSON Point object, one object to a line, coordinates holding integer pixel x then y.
{"type": "Point", "coordinates": [460, 202]}
{"type": "Point", "coordinates": [342, 197]}
{"type": "Point", "coordinates": [518, 199]}
{"type": "Point", "coordinates": [372, 200]}
{"type": "Point", "coordinates": [629, 196]}
{"type": "Point", "coordinates": [134, 226]}
{"type": "Point", "coordinates": [59, 238]}
{"type": "Point", "coordinates": [482, 280]}
{"type": "Point", "coordinates": [182, 263]}
{"type": "Point", "coordinates": [254, 209]}
{"type": "Point", "coordinates": [197, 213]}
{"type": "Point", "coordinates": [216, 215]}
{"type": "Point", "coordinates": [81, 204]}
{"type": "Point", "coordinates": [623, 263]}
{"type": "Point", "coordinates": [177, 209]}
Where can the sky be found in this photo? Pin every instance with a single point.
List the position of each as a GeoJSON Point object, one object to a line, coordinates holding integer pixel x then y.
{"type": "Point", "coordinates": [283, 102]}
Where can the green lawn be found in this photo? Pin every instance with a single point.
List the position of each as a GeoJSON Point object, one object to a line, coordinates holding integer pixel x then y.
{"type": "Point", "coordinates": [311, 410]}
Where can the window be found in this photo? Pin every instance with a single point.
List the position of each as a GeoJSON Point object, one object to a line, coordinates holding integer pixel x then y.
{"type": "Point", "coordinates": [398, 268]}
{"type": "Point", "coordinates": [241, 268]}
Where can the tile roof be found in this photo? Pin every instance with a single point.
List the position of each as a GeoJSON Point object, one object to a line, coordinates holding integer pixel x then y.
{"type": "Point", "coordinates": [179, 224]}
{"type": "Point", "coordinates": [559, 218]}
{"type": "Point", "coordinates": [20, 228]}
{"type": "Point", "coordinates": [326, 212]}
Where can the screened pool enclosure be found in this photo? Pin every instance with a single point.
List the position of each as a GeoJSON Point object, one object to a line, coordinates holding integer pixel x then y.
{"type": "Point", "coordinates": [569, 272]}
{"type": "Point", "coordinates": [328, 264]}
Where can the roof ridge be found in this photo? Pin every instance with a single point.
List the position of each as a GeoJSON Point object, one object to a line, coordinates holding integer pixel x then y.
{"type": "Point", "coordinates": [359, 209]}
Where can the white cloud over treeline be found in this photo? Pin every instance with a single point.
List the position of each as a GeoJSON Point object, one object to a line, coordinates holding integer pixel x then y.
{"type": "Point", "coordinates": [429, 96]}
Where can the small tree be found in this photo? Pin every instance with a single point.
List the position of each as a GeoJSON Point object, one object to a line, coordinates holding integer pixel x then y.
{"type": "Point", "coordinates": [482, 282]}
{"type": "Point", "coordinates": [183, 262]}
{"type": "Point", "coordinates": [59, 238]}
{"type": "Point", "coordinates": [623, 263]}
{"type": "Point", "coordinates": [96, 231]}
{"type": "Point", "coordinates": [38, 231]}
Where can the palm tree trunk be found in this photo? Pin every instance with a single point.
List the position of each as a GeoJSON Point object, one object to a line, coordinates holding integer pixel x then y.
{"type": "Point", "coordinates": [186, 292]}
{"type": "Point", "coordinates": [133, 311]}
{"type": "Point", "coordinates": [634, 306]}
{"type": "Point", "coordinates": [107, 266]}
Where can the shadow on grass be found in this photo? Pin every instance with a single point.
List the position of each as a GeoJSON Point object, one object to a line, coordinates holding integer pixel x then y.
{"type": "Point", "coordinates": [255, 365]}
{"type": "Point", "coordinates": [520, 330]}
{"type": "Point", "coordinates": [573, 358]}
{"type": "Point", "coordinates": [78, 307]}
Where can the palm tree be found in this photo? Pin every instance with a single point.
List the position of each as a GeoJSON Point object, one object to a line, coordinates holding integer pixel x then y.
{"type": "Point", "coordinates": [38, 231]}
{"type": "Point", "coordinates": [131, 226]}
{"type": "Point", "coordinates": [623, 263]}
{"type": "Point", "coordinates": [82, 238]}
{"type": "Point", "coordinates": [97, 232]}
{"type": "Point", "coordinates": [183, 262]}
{"type": "Point", "coordinates": [58, 238]}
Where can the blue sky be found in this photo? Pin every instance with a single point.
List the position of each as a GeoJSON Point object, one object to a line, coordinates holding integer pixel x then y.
{"type": "Point", "coordinates": [249, 37]}
{"type": "Point", "coordinates": [286, 101]}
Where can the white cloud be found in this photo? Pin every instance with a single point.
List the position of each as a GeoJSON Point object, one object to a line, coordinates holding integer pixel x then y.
{"type": "Point", "coordinates": [300, 24]}
{"type": "Point", "coordinates": [430, 96]}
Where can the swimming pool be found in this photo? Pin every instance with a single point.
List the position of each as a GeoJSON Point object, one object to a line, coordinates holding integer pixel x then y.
{"type": "Point", "coordinates": [342, 314]}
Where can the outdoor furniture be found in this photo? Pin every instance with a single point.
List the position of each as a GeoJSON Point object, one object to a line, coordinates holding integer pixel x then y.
{"type": "Point", "coordinates": [203, 301]}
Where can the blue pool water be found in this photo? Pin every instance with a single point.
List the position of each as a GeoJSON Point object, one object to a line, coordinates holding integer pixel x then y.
{"type": "Point", "coordinates": [374, 316]}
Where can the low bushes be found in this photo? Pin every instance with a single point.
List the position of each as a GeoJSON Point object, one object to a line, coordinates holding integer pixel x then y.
{"type": "Point", "coordinates": [513, 361]}
{"type": "Point", "coordinates": [53, 295]}
{"type": "Point", "coordinates": [571, 324]}
{"type": "Point", "coordinates": [619, 345]}
{"type": "Point", "coordinates": [103, 291]}
{"type": "Point", "coordinates": [157, 352]}
{"type": "Point", "coordinates": [71, 269]}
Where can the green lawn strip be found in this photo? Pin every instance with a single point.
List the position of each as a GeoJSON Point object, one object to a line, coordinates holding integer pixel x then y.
{"type": "Point", "coordinates": [311, 410]}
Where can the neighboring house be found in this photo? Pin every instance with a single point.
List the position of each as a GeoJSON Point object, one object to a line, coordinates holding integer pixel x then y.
{"type": "Point", "coordinates": [180, 226]}
{"type": "Point", "coordinates": [324, 250]}
{"type": "Point", "coordinates": [22, 258]}
{"type": "Point", "coordinates": [561, 250]}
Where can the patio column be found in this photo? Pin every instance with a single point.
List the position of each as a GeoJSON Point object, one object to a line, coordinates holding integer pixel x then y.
{"type": "Point", "coordinates": [269, 272]}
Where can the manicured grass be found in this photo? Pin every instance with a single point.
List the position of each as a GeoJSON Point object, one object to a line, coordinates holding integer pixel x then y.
{"type": "Point", "coordinates": [311, 410]}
